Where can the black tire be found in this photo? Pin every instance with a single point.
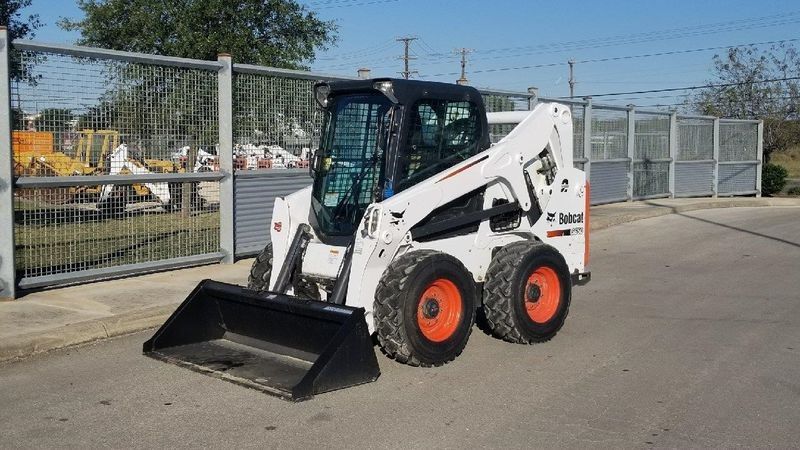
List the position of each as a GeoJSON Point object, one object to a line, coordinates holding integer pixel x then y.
{"type": "Point", "coordinates": [261, 270]}
{"type": "Point", "coordinates": [511, 300]}
{"type": "Point", "coordinates": [399, 302]}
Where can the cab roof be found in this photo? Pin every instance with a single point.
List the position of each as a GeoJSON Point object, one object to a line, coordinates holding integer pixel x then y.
{"type": "Point", "coordinates": [409, 91]}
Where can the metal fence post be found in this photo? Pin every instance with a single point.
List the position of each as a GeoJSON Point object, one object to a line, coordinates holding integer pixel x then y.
{"type": "Point", "coordinates": [760, 156]}
{"type": "Point", "coordinates": [673, 150]}
{"type": "Point", "coordinates": [7, 272]}
{"type": "Point", "coordinates": [715, 157]}
{"type": "Point", "coordinates": [631, 148]}
{"type": "Point", "coordinates": [587, 137]}
{"type": "Point", "coordinates": [533, 97]}
{"type": "Point", "coordinates": [225, 93]}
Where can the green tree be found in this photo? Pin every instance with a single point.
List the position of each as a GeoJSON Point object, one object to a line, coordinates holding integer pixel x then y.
{"type": "Point", "coordinates": [19, 27]}
{"type": "Point", "coordinates": [54, 119]}
{"type": "Point", "coordinates": [279, 33]}
{"type": "Point", "coordinates": [757, 84]}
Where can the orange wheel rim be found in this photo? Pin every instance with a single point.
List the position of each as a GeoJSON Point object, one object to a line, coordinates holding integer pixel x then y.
{"type": "Point", "coordinates": [542, 294]}
{"type": "Point", "coordinates": [439, 310]}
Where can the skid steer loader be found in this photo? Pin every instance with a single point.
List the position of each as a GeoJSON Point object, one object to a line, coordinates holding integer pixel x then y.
{"type": "Point", "coordinates": [413, 224]}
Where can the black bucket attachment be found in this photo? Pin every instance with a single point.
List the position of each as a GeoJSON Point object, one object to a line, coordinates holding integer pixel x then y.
{"type": "Point", "coordinates": [285, 346]}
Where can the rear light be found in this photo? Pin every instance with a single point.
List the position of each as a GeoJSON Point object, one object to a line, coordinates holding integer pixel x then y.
{"type": "Point", "coordinates": [586, 226]}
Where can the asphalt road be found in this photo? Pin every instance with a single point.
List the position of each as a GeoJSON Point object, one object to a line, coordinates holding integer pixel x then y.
{"type": "Point", "coordinates": [688, 336]}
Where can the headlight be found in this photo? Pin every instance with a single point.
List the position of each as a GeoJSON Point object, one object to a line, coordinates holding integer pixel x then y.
{"type": "Point", "coordinates": [372, 221]}
{"type": "Point", "coordinates": [321, 93]}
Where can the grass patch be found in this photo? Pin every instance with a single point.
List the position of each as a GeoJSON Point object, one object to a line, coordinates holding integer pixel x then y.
{"type": "Point", "coordinates": [70, 240]}
{"type": "Point", "coordinates": [789, 159]}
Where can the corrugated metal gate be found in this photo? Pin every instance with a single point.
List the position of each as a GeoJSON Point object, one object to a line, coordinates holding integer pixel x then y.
{"type": "Point", "coordinates": [254, 196]}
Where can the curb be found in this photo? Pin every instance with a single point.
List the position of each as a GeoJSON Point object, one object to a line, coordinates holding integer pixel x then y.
{"type": "Point", "coordinates": [22, 346]}
{"type": "Point", "coordinates": [25, 345]}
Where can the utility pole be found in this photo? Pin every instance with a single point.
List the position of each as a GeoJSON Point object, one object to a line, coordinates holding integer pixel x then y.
{"type": "Point", "coordinates": [406, 73]}
{"type": "Point", "coordinates": [571, 63]}
{"type": "Point", "coordinates": [464, 51]}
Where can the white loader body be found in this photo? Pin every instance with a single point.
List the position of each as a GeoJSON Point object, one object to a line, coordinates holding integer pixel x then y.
{"type": "Point", "coordinates": [538, 149]}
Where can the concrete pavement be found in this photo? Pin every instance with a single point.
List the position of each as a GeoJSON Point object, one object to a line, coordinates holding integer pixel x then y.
{"type": "Point", "coordinates": [57, 318]}
{"type": "Point", "coordinates": [688, 336]}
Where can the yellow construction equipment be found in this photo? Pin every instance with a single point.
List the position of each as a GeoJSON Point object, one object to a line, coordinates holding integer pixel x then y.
{"type": "Point", "coordinates": [36, 154]}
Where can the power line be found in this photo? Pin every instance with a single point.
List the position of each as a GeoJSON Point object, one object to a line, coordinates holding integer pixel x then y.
{"type": "Point", "coordinates": [609, 59]}
{"type": "Point", "coordinates": [773, 80]}
{"type": "Point", "coordinates": [702, 29]}
{"type": "Point", "coordinates": [668, 34]}
{"type": "Point", "coordinates": [624, 57]}
{"type": "Point", "coordinates": [348, 3]}
{"type": "Point", "coordinates": [678, 52]}
{"type": "Point", "coordinates": [360, 53]}
{"type": "Point", "coordinates": [674, 33]}
{"type": "Point", "coordinates": [430, 51]}
{"type": "Point", "coordinates": [729, 102]}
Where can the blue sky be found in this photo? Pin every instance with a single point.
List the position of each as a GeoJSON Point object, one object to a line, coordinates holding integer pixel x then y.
{"type": "Point", "coordinates": [509, 36]}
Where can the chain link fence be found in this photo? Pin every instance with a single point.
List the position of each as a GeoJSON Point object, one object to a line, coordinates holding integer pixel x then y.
{"type": "Point", "coordinates": [608, 157]}
{"type": "Point", "coordinates": [739, 157]}
{"type": "Point", "coordinates": [276, 121]}
{"type": "Point", "coordinates": [71, 114]}
{"type": "Point", "coordinates": [105, 147]}
{"type": "Point", "coordinates": [695, 139]}
{"type": "Point", "coordinates": [738, 141]}
{"type": "Point", "coordinates": [56, 239]}
{"type": "Point", "coordinates": [651, 161]}
{"type": "Point", "coordinates": [695, 162]}
{"type": "Point", "coordinates": [500, 102]}
{"type": "Point", "coordinates": [578, 140]}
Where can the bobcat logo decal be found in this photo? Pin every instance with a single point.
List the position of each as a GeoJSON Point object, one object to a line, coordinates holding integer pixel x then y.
{"type": "Point", "coordinates": [551, 217]}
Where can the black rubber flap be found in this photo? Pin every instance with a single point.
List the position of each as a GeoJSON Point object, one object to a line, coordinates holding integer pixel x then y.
{"type": "Point", "coordinates": [279, 344]}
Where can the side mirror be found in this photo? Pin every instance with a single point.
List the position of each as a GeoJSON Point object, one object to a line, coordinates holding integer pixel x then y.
{"type": "Point", "coordinates": [315, 163]}
{"type": "Point", "coordinates": [319, 164]}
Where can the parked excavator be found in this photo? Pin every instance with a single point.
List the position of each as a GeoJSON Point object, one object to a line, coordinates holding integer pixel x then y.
{"type": "Point", "coordinates": [414, 223]}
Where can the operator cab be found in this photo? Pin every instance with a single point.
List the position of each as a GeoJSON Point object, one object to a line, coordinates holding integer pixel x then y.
{"type": "Point", "coordinates": [382, 136]}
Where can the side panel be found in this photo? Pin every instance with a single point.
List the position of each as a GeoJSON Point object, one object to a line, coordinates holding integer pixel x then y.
{"type": "Point", "coordinates": [288, 213]}
{"type": "Point", "coordinates": [564, 217]}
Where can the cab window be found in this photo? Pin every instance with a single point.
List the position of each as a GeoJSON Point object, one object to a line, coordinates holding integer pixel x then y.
{"type": "Point", "coordinates": [442, 134]}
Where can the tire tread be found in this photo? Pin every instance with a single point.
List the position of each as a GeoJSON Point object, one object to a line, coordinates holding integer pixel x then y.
{"type": "Point", "coordinates": [498, 295]}
{"type": "Point", "coordinates": [388, 309]}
